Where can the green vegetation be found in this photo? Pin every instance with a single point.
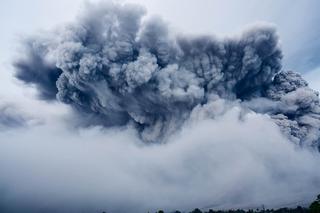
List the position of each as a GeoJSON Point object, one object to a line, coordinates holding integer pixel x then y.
{"type": "Point", "coordinates": [315, 206]}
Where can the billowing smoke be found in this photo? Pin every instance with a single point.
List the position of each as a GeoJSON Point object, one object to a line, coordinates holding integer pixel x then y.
{"type": "Point", "coordinates": [120, 69]}
{"type": "Point", "coordinates": [224, 117]}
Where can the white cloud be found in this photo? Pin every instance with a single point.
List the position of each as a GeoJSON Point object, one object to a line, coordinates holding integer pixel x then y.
{"type": "Point", "coordinates": [221, 163]}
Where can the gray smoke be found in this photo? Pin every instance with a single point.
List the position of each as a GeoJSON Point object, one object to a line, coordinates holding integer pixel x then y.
{"type": "Point", "coordinates": [11, 117]}
{"type": "Point", "coordinates": [121, 70]}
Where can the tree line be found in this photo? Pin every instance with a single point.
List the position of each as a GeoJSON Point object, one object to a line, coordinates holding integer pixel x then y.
{"type": "Point", "coordinates": [313, 208]}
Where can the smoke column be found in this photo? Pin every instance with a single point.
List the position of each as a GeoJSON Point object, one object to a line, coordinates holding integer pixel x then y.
{"type": "Point", "coordinates": [120, 70]}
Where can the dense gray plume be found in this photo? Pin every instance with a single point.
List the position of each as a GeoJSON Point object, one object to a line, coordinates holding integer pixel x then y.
{"type": "Point", "coordinates": [122, 70]}
{"type": "Point", "coordinates": [293, 106]}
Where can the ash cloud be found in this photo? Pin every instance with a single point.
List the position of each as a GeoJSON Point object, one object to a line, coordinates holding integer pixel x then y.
{"type": "Point", "coordinates": [121, 70]}
{"type": "Point", "coordinates": [35, 69]}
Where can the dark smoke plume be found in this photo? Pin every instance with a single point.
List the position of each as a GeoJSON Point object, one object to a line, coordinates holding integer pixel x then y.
{"type": "Point", "coordinates": [122, 70]}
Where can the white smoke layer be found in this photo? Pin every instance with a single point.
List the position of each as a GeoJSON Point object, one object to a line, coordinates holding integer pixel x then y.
{"type": "Point", "coordinates": [223, 157]}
